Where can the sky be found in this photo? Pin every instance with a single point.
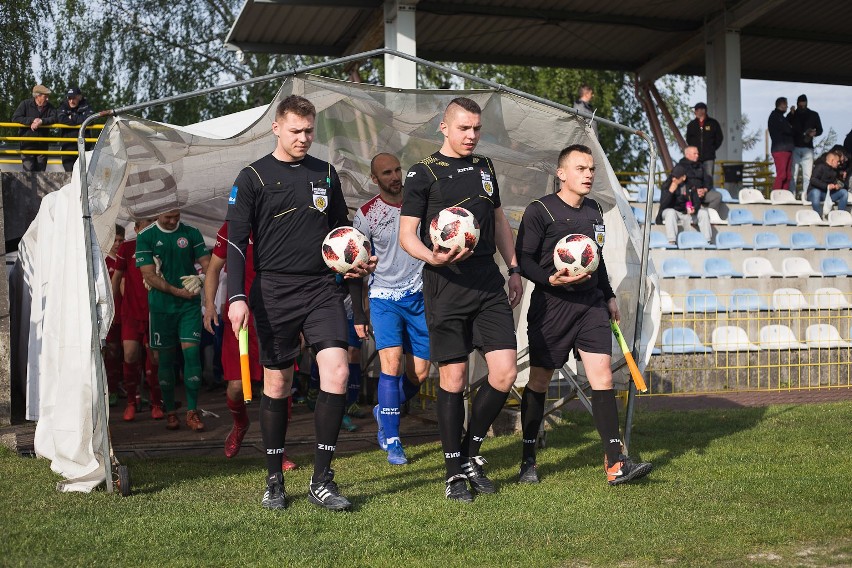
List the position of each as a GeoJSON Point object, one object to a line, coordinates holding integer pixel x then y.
{"type": "Point", "coordinates": [832, 102]}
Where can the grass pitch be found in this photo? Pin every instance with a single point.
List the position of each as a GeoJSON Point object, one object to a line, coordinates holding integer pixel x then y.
{"type": "Point", "coordinates": [751, 486]}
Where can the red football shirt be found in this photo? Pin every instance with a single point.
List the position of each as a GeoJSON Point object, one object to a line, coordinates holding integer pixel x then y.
{"type": "Point", "coordinates": [111, 264]}
{"type": "Point", "coordinates": [135, 303]}
{"type": "Point", "coordinates": [221, 250]}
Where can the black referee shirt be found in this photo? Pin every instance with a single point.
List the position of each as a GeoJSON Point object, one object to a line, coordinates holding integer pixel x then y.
{"type": "Point", "coordinates": [289, 207]}
{"type": "Point", "coordinates": [438, 182]}
{"type": "Point", "coordinates": [547, 220]}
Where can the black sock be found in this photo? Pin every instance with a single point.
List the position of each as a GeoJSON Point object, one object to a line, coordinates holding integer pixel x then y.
{"type": "Point", "coordinates": [273, 430]}
{"type": "Point", "coordinates": [486, 406]}
{"type": "Point", "coordinates": [450, 424]}
{"type": "Point", "coordinates": [532, 413]}
{"type": "Point", "coordinates": [605, 413]}
{"type": "Point", "coordinates": [328, 414]}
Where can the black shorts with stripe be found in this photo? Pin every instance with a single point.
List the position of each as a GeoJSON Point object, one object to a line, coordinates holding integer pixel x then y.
{"type": "Point", "coordinates": [467, 308]}
{"type": "Point", "coordinates": [556, 326]}
{"type": "Point", "coordinates": [284, 305]}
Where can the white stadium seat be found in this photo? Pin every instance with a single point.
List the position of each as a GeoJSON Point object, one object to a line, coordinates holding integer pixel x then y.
{"type": "Point", "coordinates": [830, 299]}
{"type": "Point", "coordinates": [779, 337]}
{"type": "Point", "coordinates": [731, 338]}
{"type": "Point", "coordinates": [839, 218]}
{"type": "Point", "coordinates": [783, 197]}
{"type": "Point", "coordinates": [747, 196]}
{"type": "Point", "coordinates": [758, 267]}
{"type": "Point", "coordinates": [808, 217]}
{"type": "Point", "coordinates": [824, 336]}
{"type": "Point", "coordinates": [789, 299]}
{"type": "Point", "coordinates": [796, 266]}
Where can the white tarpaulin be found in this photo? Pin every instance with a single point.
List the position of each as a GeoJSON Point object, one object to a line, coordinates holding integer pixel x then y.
{"type": "Point", "coordinates": [140, 168]}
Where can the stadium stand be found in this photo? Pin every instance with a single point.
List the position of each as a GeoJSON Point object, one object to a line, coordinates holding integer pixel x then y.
{"type": "Point", "coordinates": [678, 268]}
{"type": "Point", "coordinates": [715, 219]}
{"type": "Point", "coordinates": [796, 266]}
{"type": "Point", "coordinates": [667, 304]}
{"type": "Point", "coordinates": [778, 336]}
{"type": "Point", "coordinates": [766, 241]}
{"type": "Point", "coordinates": [834, 267]}
{"type": "Point", "coordinates": [789, 299]}
{"type": "Point", "coordinates": [731, 338]}
{"type": "Point", "coordinates": [808, 218]}
{"type": "Point", "coordinates": [682, 340]}
{"type": "Point", "coordinates": [829, 298]}
{"type": "Point", "coordinates": [726, 196]}
{"type": "Point", "coordinates": [837, 241]}
{"type": "Point", "coordinates": [776, 217]}
{"type": "Point", "coordinates": [804, 241]}
{"type": "Point", "coordinates": [746, 300]}
{"type": "Point", "coordinates": [824, 336]}
{"type": "Point", "coordinates": [659, 241]}
{"type": "Point", "coordinates": [749, 195]}
{"type": "Point", "coordinates": [758, 267]}
{"type": "Point", "coordinates": [729, 240]}
{"type": "Point", "coordinates": [692, 240]}
{"type": "Point", "coordinates": [741, 217]}
{"type": "Point", "coordinates": [719, 268]}
{"type": "Point", "coordinates": [783, 197]}
{"type": "Point", "coordinates": [839, 218]}
{"type": "Point", "coordinates": [703, 301]}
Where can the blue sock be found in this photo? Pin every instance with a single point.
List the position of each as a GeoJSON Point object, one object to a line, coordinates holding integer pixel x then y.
{"type": "Point", "coordinates": [389, 406]}
{"type": "Point", "coordinates": [407, 389]}
{"type": "Point", "coordinates": [354, 388]}
{"type": "Point", "coordinates": [314, 381]}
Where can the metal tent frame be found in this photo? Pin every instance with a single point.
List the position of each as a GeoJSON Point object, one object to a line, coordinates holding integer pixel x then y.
{"type": "Point", "coordinates": [100, 408]}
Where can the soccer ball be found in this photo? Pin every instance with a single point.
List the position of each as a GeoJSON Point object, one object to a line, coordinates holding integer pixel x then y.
{"type": "Point", "coordinates": [343, 248]}
{"type": "Point", "coordinates": [454, 226]}
{"type": "Point", "coordinates": [578, 253]}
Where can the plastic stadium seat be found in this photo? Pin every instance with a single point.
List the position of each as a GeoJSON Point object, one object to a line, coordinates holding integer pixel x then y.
{"type": "Point", "coordinates": [714, 217]}
{"type": "Point", "coordinates": [643, 194]}
{"type": "Point", "coordinates": [682, 340]}
{"type": "Point", "coordinates": [758, 267]}
{"type": "Point", "coordinates": [703, 301]}
{"type": "Point", "coordinates": [667, 303]}
{"type": "Point", "coordinates": [783, 197]}
{"type": "Point", "coordinates": [747, 196]}
{"type": "Point", "coordinates": [678, 268]}
{"type": "Point", "coordinates": [779, 337]}
{"type": "Point", "coordinates": [766, 240]}
{"type": "Point", "coordinates": [804, 241]}
{"type": "Point", "coordinates": [731, 338]}
{"type": "Point", "coordinates": [797, 266]}
{"type": "Point", "coordinates": [719, 268]}
{"type": "Point", "coordinates": [837, 241]}
{"type": "Point", "coordinates": [746, 300]}
{"type": "Point", "coordinates": [692, 240]}
{"type": "Point", "coordinates": [808, 217]}
{"type": "Point", "coordinates": [776, 217]}
{"type": "Point", "coordinates": [659, 241]}
{"type": "Point", "coordinates": [823, 335]}
{"type": "Point", "coordinates": [726, 196]}
{"type": "Point", "coordinates": [639, 214]}
{"type": "Point", "coordinates": [839, 218]}
{"type": "Point", "coordinates": [830, 299]}
{"type": "Point", "coordinates": [730, 240]}
{"type": "Point", "coordinates": [834, 267]}
{"type": "Point", "coordinates": [789, 299]}
{"type": "Point", "coordinates": [741, 217]}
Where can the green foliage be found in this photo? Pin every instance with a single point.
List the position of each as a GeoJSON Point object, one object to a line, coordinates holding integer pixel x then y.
{"type": "Point", "coordinates": [20, 39]}
{"type": "Point", "coordinates": [732, 487]}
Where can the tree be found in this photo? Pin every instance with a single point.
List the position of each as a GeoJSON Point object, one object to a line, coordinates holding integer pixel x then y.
{"type": "Point", "coordinates": [18, 41]}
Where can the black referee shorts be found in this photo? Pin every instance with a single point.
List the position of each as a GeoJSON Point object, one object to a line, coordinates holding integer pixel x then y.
{"type": "Point", "coordinates": [467, 308]}
{"type": "Point", "coordinates": [556, 325]}
{"type": "Point", "coordinates": [285, 304]}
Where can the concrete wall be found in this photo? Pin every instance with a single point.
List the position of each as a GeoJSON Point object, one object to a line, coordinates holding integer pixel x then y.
{"type": "Point", "coordinates": [5, 344]}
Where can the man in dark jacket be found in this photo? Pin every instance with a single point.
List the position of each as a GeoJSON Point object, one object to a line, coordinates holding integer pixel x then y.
{"type": "Point", "coordinates": [705, 133]}
{"type": "Point", "coordinates": [825, 182]}
{"type": "Point", "coordinates": [781, 134]}
{"type": "Point", "coordinates": [584, 102]}
{"type": "Point", "coordinates": [681, 198]}
{"type": "Point", "coordinates": [806, 126]}
{"type": "Point", "coordinates": [73, 110]}
{"type": "Point", "coordinates": [35, 112]}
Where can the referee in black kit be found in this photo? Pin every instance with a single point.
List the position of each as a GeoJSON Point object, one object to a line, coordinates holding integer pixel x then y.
{"type": "Point", "coordinates": [569, 312]}
{"type": "Point", "coordinates": [288, 201]}
{"type": "Point", "coordinates": [466, 306]}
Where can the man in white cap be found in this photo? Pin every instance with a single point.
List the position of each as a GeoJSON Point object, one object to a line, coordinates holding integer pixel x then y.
{"type": "Point", "coordinates": [35, 113]}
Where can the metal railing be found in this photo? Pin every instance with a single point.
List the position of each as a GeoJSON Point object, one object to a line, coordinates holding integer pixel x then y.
{"type": "Point", "coordinates": [16, 140]}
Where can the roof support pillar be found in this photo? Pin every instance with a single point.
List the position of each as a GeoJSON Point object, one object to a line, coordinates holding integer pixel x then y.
{"type": "Point", "coordinates": [724, 100]}
{"type": "Point", "coordinates": [400, 16]}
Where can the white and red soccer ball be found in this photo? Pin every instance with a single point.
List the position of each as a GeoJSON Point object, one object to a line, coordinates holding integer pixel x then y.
{"type": "Point", "coordinates": [578, 253]}
{"type": "Point", "coordinates": [344, 247]}
{"type": "Point", "coordinates": [454, 227]}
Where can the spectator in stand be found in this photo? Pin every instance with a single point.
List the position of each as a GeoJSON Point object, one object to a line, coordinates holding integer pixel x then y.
{"type": "Point", "coordinates": [73, 110]}
{"type": "Point", "coordinates": [825, 181]}
{"type": "Point", "coordinates": [806, 126]}
{"type": "Point", "coordinates": [35, 113]}
{"type": "Point", "coordinates": [705, 133]}
{"type": "Point", "coordinates": [781, 134]}
{"type": "Point", "coordinates": [847, 143]}
{"type": "Point", "coordinates": [680, 203]}
{"type": "Point", "coordinates": [584, 102]}
{"type": "Point", "coordinates": [699, 180]}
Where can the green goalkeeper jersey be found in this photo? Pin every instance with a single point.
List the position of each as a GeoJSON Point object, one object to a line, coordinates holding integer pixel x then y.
{"type": "Point", "coordinates": [177, 252]}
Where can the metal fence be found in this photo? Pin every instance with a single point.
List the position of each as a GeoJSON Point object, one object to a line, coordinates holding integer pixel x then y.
{"type": "Point", "coordinates": [9, 144]}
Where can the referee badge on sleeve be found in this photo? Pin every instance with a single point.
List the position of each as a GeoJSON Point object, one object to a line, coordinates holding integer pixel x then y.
{"type": "Point", "coordinates": [600, 234]}
{"type": "Point", "coordinates": [320, 197]}
{"type": "Point", "coordinates": [486, 183]}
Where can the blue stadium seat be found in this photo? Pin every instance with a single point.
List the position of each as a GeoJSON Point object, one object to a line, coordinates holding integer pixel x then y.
{"type": "Point", "coordinates": [765, 241]}
{"type": "Point", "coordinates": [682, 340]}
{"type": "Point", "coordinates": [776, 217]}
{"type": "Point", "coordinates": [726, 196]}
{"type": "Point", "coordinates": [643, 194]}
{"type": "Point", "coordinates": [803, 241]}
{"type": "Point", "coordinates": [834, 267]}
{"type": "Point", "coordinates": [719, 268]}
{"type": "Point", "coordinates": [677, 268]}
{"type": "Point", "coordinates": [692, 240]}
{"type": "Point", "coordinates": [741, 217]}
{"type": "Point", "coordinates": [746, 300]}
{"type": "Point", "coordinates": [837, 241]}
{"type": "Point", "coordinates": [639, 214]}
{"type": "Point", "coordinates": [703, 301]}
{"type": "Point", "coordinates": [659, 241]}
{"type": "Point", "coordinates": [730, 240]}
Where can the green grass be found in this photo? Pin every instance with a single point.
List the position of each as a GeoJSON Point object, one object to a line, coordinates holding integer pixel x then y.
{"type": "Point", "coordinates": [752, 486]}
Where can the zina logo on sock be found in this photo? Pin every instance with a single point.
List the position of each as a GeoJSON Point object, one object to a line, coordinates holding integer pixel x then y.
{"type": "Point", "coordinates": [449, 455]}
{"type": "Point", "coordinates": [273, 451]}
{"type": "Point", "coordinates": [326, 447]}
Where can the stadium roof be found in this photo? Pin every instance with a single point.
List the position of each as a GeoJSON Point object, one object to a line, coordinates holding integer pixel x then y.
{"type": "Point", "coordinates": [783, 40]}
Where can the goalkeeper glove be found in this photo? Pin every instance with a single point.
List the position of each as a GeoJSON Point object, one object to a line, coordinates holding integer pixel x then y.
{"type": "Point", "coordinates": [158, 269]}
{"type": "Point", "coordinates": [193, 283]}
